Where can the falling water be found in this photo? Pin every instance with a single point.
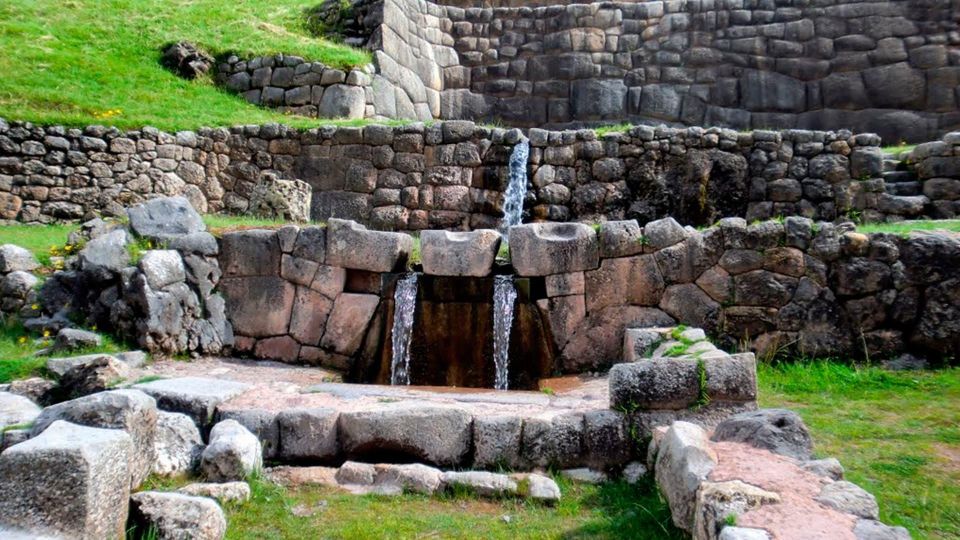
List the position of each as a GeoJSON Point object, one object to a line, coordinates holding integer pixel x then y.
{"type": "Point", "coordinates": [504, 296]}
{"type": "Point", "coordinates": [404, 305]}
{"type": "Point", "coordinates": [517, 188]}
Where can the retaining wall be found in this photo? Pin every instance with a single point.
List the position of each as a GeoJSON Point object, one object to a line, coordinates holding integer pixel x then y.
{"type": "Point", "coordinates": [883, 67]}
{"type": "Point", "coordinates": [769, 286]}
{"type": "Point", "coordinates": [891, 68]}
{"type": "Point", "coordinates": [453, 174]}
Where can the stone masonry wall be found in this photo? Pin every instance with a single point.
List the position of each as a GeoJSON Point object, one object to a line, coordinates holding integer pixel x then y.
{"type": "Point", "coordinates": [886, 67]}
{"type": "Point", "coordinates": [318, 295]}
{"type": "Point", "coordinates": [453, 174]}
{"type": "Point", "coordinates": [300, 87]}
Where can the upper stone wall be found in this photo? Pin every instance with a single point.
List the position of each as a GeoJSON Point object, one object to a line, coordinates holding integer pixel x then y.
{"type": "Point", "coordinates": [886, 67]}
{"type": "Point", "coordinates": [453, 175]}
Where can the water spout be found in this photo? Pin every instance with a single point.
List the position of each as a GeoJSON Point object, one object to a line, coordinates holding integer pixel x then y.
{"type": "Point", "coordinates": [517, 187]}
{"type": "Point", "coordinates": [504, 297]}
{"type": "Point", "coordinates": [404, 306]}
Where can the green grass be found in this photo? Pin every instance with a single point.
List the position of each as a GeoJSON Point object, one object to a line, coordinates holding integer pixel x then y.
{"type": "Point", "coordinates": [905, 227]}
{"type": "Point", "coordinates": [897, 149]}
{"type": "Point", "coordinates": [613, 510]}
{"type": "Point", "coordinates": [613, 128]}
{"type": "Point", "coordinates": [896, 433]}
{"type": "Point", "coordinates": [18, 351]}
{"type": "Point", "coordinates": [81, 62]}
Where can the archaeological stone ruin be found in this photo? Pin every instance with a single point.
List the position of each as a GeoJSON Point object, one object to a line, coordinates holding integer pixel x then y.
{"type": "Point", "coordinates": [484, 286]}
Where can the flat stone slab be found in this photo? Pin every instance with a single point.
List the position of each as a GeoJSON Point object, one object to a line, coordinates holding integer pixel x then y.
{"type": "Point", "coordinates": [197, 397]}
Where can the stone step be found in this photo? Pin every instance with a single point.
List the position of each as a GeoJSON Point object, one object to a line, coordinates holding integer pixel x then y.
{"type": "Point", "coordinates": [904, 188]}
{"type": "Point", "coordinates": [899, 176]}
{"type": "Point", "coordinates": [890, 162]}
{"type": "Point", "coordinates": [907, 206]}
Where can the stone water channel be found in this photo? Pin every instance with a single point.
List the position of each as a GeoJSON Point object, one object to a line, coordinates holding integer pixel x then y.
{"type": "Point", "coordinates": [504, 291]}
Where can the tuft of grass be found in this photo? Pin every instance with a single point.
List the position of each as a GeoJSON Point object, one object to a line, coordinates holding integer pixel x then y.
{"type": "Point", "coordinates": [906, 227]}
{"type": "Point", "coordinates": [896, 433]}
{"type": "Point", "coordinates": [613, 128]}
{"type": "Point", "coordinates": [82, 62]}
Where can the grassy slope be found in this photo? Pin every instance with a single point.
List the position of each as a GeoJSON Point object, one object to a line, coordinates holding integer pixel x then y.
{"type": "Point", "coordinates": [79, 61]}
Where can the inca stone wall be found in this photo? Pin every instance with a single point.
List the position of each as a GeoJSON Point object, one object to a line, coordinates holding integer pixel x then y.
{"type": "Point", "coordinates": [797, 285]}
{"type": "Point", "coordinates": [885, 67]}
{"type": "Point", "coordinates": [300, 87]}
{"type": "Point", "coordinates": [452, 175]}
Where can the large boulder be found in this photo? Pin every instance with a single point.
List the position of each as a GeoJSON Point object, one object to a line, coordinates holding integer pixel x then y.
{"type": "Point", "coordinates": [177, 444]}
{"type": "Point", "coordinates": [175, 516]}
{"type": "Point", "coordinates": [71, 481]}
{"type": "Point", "coordinates": [197, 397]}
{"type": "Point", "coordinates": [162, 267]}
{"type": "Point", "coordinates": [780, 431]}
{"type": "Point", "coordinates": [351, 245]}
{"type": "Point", "coordinates": [16, 410]}
{"type": "Point", "coordinates": [129, 410]}
{"type": "Point", "coordinates": [435, 435]}
{"type": "Point", "coordinates": [684, 460]}
{"type": "Point", "coordinates": [16, 259]}
{"type": "Point", "coordinates": [541, 249]}
{"type": "Point", "coordinates": [446, 253]}
{"type": "Point", "coordinates": [281, 199]}
{"type": "Point", "coordinates": [186, 60]}
{"type": "Point", "coordinates": [105, 256]}
{"type": "Point", "coordinates": [164, 218]}
{"type": "Point", "coordinates": [233, 453]}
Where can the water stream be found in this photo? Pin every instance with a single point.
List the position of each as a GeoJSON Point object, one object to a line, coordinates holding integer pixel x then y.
{"type": "Point", "coordinates": [516, 188]}
{"type": "Point", "coordinates": [504, 297]}
{"type": "Point", "coordinates": [404, 306]}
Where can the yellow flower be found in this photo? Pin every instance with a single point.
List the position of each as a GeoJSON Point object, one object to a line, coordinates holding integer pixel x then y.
{"type": "Point", "coordinates": [94, 328]}
{"type": "Point", "coordinates": [22, 340]}
{"type": "Point", "coordinates": [46, 333]}
{"type": "Point", "coordinates": [68, 247]}
{"type": "Point", "coordinates": [35, 307]}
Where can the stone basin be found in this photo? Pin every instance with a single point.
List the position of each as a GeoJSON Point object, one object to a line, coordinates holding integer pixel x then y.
{"type": "Point", "coordinates": [542, 249]}
{"type": "Point", "coordinates": [446, 253]}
